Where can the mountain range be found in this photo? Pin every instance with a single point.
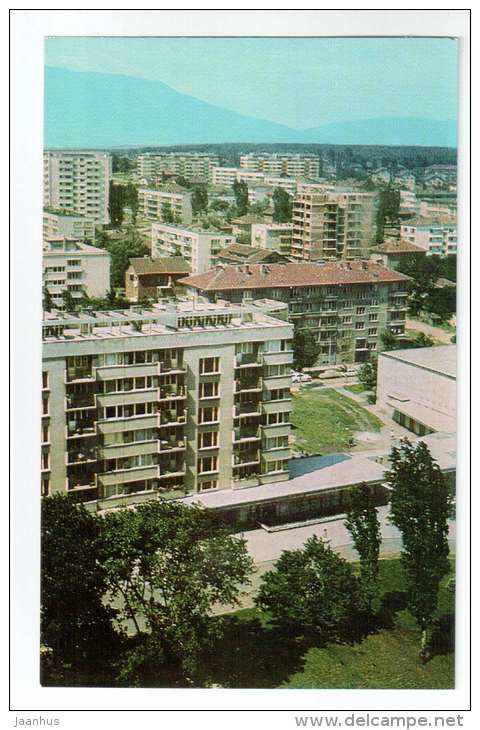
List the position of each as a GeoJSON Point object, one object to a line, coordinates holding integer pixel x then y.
{"type": "Point", "coordinates": [95, 110]}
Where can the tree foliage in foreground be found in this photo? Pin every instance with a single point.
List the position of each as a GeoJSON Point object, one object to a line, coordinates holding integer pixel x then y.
{"type": "Point", "coordinates": [420, 506]}
{"type": "Point", "coordinates": [170, 563]}
{"type": "Point", "coordinates": [364, 526]}
{"type": "Point", "coordinates": [311, 591]}
{"type": "Point", "coordinates": [306, 348]}
{"type": "Point", "coordinates": [282, 206]}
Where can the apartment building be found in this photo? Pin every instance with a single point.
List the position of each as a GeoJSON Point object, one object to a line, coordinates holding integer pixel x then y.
{"type": "Point", "coordinates": [73, 266]}
{"type": "Point", "coordinates": [332, 224]}
{"type": "Point", "coordinates": [282, 164]}
{"type": "Point", "coordinates": [345, 304]}
{"type": "Point", "coordinates": [58, 223]}
{"type": "Point", "coordinates": [153, 203]}
{"type": "Point", "coordinates": [165, 401]}
{"type": "Point", "coordinates": [435, 235]}
{"type": "Point", "coordinates": [148, 278]}
{"type": "Point", "coordinates": [190, 165]}
{"type": "Point", "coordinates": [78, 182]}
{"type": "Point", "coordinates": [395, 252]}
{"type": "Point", "coordinates": [196, 246]}
{"type": "Point", "coordinates": [273, 236]}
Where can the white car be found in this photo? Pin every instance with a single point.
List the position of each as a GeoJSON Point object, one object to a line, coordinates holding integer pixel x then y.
{"type": "Point", "coordinates": [305, 378]}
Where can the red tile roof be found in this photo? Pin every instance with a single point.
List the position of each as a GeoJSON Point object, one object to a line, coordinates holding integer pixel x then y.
{"type": "Point", "coordinates": [398, 247]}
{"type": "Point", "coordinates": [263, 276]}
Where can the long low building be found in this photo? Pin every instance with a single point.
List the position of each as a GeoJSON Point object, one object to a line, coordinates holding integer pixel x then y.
{"type": "Point", "coordinates": [417, 388]}
{"type": "Point", "coordinates": [346, 305]}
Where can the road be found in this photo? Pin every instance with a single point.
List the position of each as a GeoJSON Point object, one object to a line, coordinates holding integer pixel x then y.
{"type": "Point", "coordinates": [436, 333]}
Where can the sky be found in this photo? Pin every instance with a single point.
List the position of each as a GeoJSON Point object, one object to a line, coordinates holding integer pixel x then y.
{"type": "Point", "coordinates": [299, 82]}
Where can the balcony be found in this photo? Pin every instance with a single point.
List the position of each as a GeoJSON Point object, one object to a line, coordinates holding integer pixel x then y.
{"type": "Point", "coordinates": [127, 397]}
{"type": "Point", "coordinates": [250, 385]}
{"type": "Point", "coordinates": [245, 433]}
{"type": "Point", "coordinates": [124, 476]}
{"type": "Point", "coordinates": [171, 445]}
{"type": "Point", "coordinates": [278, 358]}
{"type": "Point", "coordinates": [76, 402]}
{"type": "Point", "coordinates": [243, 410]}
{"type": "Point", "coordinates": [171, 418]}
{"type": "Point", "coordinates": [80, 375]}
{"type": "Point", "coordinates": [250, 359]}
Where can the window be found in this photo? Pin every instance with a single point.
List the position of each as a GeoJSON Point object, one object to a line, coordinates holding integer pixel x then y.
{"type": "Point", "coordinates": [45, 460]}
{"type": "Point", "coordinates": [209, 365]}
{"type": "Point", "coordinates": [210, 484]}
{"type": "Point", "coordinates": [372, 331]}
{"type": "Point", "coordinates": [274, 466]}
{"type": "Point", "coordinates": [360, 310]}
{"type": "Point", "coordinates": [45, 486]}
{"type": "Point", "coordinates": [45, 434]}
{"type": "Point", "coordinates": [276, 442]}
{"type": "Point", "coordinates": [208, 415]}
{"type": "Point", "coordinates": [373, 317]}
{"type": "Point", "coordinates": [275, 418]}
{"type": "Point", "coordinates": [45, 406]}
{"type": "Point", "coordinates": [44, 379]}
{"type": "Point", "coordinates": [207, 464]}
{"type": "Point", "coordinates": [208, 390]}
{"type": "Point", "coordinates": [359, 325]}
{"type": "Point", "coordinates": [208, 440]}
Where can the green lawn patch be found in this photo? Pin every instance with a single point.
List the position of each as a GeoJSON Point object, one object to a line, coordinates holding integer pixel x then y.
{"type": "Point", "coordinates": [254, 654]}
{"type": "Point", "coordinates": [356, 388]}
{"type": "Point", "coordinates": [325, 420]}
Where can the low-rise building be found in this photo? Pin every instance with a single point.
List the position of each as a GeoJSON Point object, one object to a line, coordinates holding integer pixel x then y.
{"type": "Point", "coordinates": [392, 253]}
{"type": "Point", "coordinates": [74, 266]}
{"type": "Point", "coordinates": [435, 235]}
{"type": "Point", "coordinates": [61, 223]}
{"type": "Point", "coordinates": [276, 164]}
{"type": "Point", "coordinates": [165, 401]}
{"type": "Point", "coordinates": [417, 388]}
{"type": "Point", "coordinates": [155, 279]}
{"type": "Point", "coordinates": [239, 253]}
{"type": "Point", "coordinates": [197, 246]}
{"type": "Point", "coordinates": [273, 236]}
{"type": "Point", "coordinates": [153, 204]}
{"type": "Point", "coordinates": [346, 305]}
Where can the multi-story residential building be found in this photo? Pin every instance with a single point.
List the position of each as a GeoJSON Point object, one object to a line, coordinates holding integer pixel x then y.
{"type": "Point", "coordinates": [435, 235]}
{"type": "Point", "coordinates": [58, 223]}
{"type": "Point", "coordinates": [345, 304]}
{"type": "Point", "coordinates": [190, 165]}
{"type": "Point", "coordinates": [408, 202]}
{"type": "Point", "coordinates": [73, 266]}
{"type": "Point", "coordinates": [148, 278]}
{"type": "Point", "coordinates": [78, 182]}
{"type": "Point", "coordinates": [395, 252]}
{"type": "Point", "coordinates": [152, 204]}
{"type": "Point", "coordinates": [332, 224]}
{"type": "Point", "coordinates": [197, 246]}
{"type": "Point", "coordinates": [165, 401]}
{"type": "Point", "coordinates": [226, 176]}
{"type": "Point", "coordinates": [239, 253]}
{"type": "Point", "coordinates": [273, 236]}
{"type": "Point", "coordinates": [289, 184]}
{"type": "Point", "coordinates": [278, 164]}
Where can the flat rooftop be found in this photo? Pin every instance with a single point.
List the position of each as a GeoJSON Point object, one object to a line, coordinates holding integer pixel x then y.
{"type": "Point", "coordinates": [441, 359]}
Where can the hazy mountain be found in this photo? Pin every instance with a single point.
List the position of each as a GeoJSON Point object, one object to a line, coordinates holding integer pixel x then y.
{"type": "Point", "coordinates": [85, 109]}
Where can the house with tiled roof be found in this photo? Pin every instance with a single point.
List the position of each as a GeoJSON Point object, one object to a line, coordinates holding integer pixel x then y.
{"type": "Point", "coordinates": [346, 305]}
{"type": "Point", "coordinates": [391, 253]}
{"type": "Point", "coordinates": [148, 278]}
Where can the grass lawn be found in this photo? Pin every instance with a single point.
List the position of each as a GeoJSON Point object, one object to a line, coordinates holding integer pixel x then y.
{"type": "Point", "coordinates": [324, 420]}
{"type": "Point", "coordinates": [356, 388]}
{"type": "Point", "coordinates": [254, 654]}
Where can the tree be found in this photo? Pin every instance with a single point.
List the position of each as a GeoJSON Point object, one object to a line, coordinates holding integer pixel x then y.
{"type": "Point", "coordinates": [387, 210]}
{"type": "Point", "coordinates": [121, 251]}
{"type": "Point", "coordinates": [367, 374]}
{"type": "Point", "coordinates": [363, 525]}
{"type": "Point", "coordinates": [199, 199]}
{"type": "Point", "coordinates": [310, 591]}
{"type": "Point", "coordinates": [240, 190]}
{"type": "Point", "coordinates": [167, 213]}
{"type": "Point", "coordinates": [116, 203]}
{"type": "Point", "coordinates": [306, 348]}
{"type": "Point", "coordinates": [74, 622]}
{"type": "Point", "coordinates": [420, 506]}
{"type": "Point", "coordinates": [389, 341]}
{"type": "Point", "coordinates": [47, 300]}
{"type": "Point", "coordinates": [68, 301]}
{"type": "Point", "coordinates": [282, 206]}
{"type": "Point", "coordinates": [260, 207]}
{"type": "Point", "coordinates": [170, 563]}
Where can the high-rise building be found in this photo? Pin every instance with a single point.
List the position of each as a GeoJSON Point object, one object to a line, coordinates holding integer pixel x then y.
{"type": "Point", "coordinates": [197, 246]}
{"type": "Point", "coordinates": [333, 224]}
{"type": "Point", "coordinates": [345, 305]}
{"type": "Point", "coordinates": [78, 182]}
{"type": "Point", "coordinates": [282, 164]}
{"type": "Point", "coordinates": [190, 165]}
{"type": "Point", "coordinates": [165, 401]}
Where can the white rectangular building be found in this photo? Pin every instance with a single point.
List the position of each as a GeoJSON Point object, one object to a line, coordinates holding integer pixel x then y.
{"type": "Point", "coordinates": [197, 246]}
{"type": "Point", "coordinates": [73, 266]}
{"type": "Point", "coordinates": [58, 223]}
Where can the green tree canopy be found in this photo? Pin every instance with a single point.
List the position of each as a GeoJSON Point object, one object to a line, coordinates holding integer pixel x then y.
{"type": "Point", "coordinates": [199, 199]}
{"type": "Point", "coordinates": [306, 348]}
{"type": "Point", "coordinates": [282, 206]}
{"type": "Point", "coordinates": [240, 190]}
{"type": "Point", "coordinates": [420, 506]}
{"type": "Point", "coordinates": [363, 525]}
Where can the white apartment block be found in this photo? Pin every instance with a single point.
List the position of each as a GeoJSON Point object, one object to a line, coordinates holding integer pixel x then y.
{"type": "Point", "coordinates": [278, 164]}
{"type": "Point", "coordinates": [435, 236]}
{"type": "Point", "coordinates": [408, 201]}
{"type": "Point", "coordinates": [197, 246]}
{"type": "Point", "coordinates": [74, 266]}
{"type": "Point", "coordinates": [165, 401]}
{"type": "Point", "coordinates": [78, 182]}
{"type": "Point", "coordinates": [152, 203]}
{"type": "Point", "coordinates": [289, 184]}
{"type": "Point", "coordinates": [333, 224]}
{"type": "Point", "coordinates": [191, 165]}
{"type": "Point", "coordinates": [272, 236]}
{"type": "Point", "coordinates": [56, 223]}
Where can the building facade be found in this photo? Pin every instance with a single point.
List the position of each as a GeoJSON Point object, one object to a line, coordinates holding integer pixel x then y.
{"type": "Point", "coordinates": [434, 235]}
{"type": "Point", "coordinates": [273, 236]}
{"type": "Point", "coordinates": [165, 401]}
{"type": "Point", "coordinates": [155, 279]}
{"type": "Point", "coordinates": [195, 245]}
{"type": "Point", "coordinates": [190, 165]}
{"type": "Point", "coordinates": [73, 266]}
{"type": "Point", "coordinates": [78, 182]}
{"type": "Point", "coordinates": [282, 164]}
{"type": "Point", "coordinates": [57, 223]}
{"type": "Point", "coordinates": [346, 305]}
{"type": "Point", "coordinates": [153, 203]}
{"type": "Point", "coordinates": [332, 224]}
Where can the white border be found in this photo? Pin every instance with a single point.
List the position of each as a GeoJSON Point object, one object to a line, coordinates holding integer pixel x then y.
{"type": "Point", "coordinates": [28, 29]}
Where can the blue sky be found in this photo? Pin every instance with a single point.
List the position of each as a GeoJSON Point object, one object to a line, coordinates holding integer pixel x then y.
{"type": "Point", "coordinates": [299, 82]}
